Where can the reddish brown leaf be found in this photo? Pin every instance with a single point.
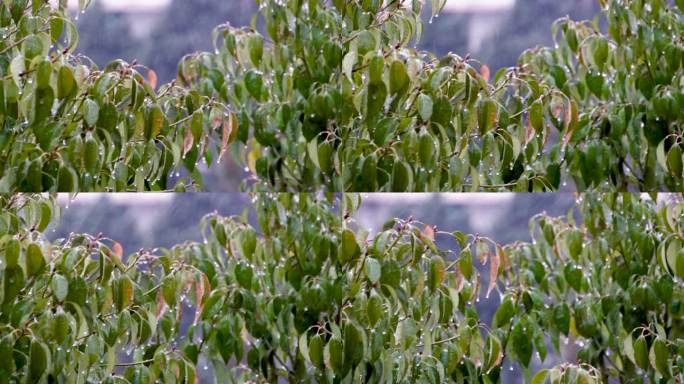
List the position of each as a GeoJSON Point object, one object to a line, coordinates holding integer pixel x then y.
{"type": "Point", "coordinates": [495, 260]}
{"type": "Point", "coordinates": [429, 232]}
{"type": "Point", "coordinates": [117, 249]}
{"type": "Point", "coordinates": [505, 261]}
{"type": "Point", "coordinates": [529, 133]}
{"type": "Point", "coordinates": [152, 78]}
{"type": "Point", "coordinates": [188, 141]}
{"type": "Point", "coordinates": [202, 288]}
{"type": "Point", "coordinates": [161, 305]}
{"type": "Point", "coordinates": [229, 126]}
{"type": "Point", "coordinates": [570, 123]}
{"type": "Point", "coordinates": [459, 279]}
{"type": "Point", "coordinates": [484, 70]}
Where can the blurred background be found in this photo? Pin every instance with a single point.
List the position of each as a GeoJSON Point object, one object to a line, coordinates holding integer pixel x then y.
{"type": "Point", "coordinates": [163, 220]}
{"type": "Point", "coordinates": [158, 33]}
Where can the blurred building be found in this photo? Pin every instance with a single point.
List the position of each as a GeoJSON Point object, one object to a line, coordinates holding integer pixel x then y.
{"type": "Point", "coordinates": [142, 15]}
{"type": "Point", "coordinates": [483, 16]}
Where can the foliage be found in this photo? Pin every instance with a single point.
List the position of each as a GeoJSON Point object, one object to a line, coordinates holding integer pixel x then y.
{"type": "Point", "coordinates": [339, 102]}
{"type": "Point", "coordinates": [332, 98]}
{"type": "Point", "coordinates": [312, 297]}
{"type": "Point", "coordinates": [626, 89]}
{"type": "Point", "coordinates": [67, 126]}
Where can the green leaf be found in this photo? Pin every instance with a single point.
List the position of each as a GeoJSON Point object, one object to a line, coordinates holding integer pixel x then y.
{"type": "Point", "coordinates": [45, 216]}
{"type": "Point", "coordinates": [398, 77]}
{"type": "Point", "coordinates": [425, 105]}
{"type": "Point", "coordinates": [402, 177]}
{"type": "Point", "coordinates": [376, 69]}
{"type": "Point", "coordinates": [540, 377]}
{"type": "Point", "coordinates": [168, 290]}
{"type": "Point", "coordinates": [426, 150]}
{"type": "Point", "coordinates": [349, 249]}
{"type": "Point", "coordinates": [504, 313]}
{"type": "Point", "coordinates": [573, 275]}
{"type": "Point", "coordinates": [334, 355]}
{"type": "Point", "coordinates": [595, 83]}
{"type": "Point", "coordinates": [561, 318]}
{"type": "Point", "coordinates": [33, 46]}
{"type": "Point", "coordinates": [325, 154]}
{"type": "Point", "coordinates": [368, 180]}
{"type": "Point", "coordinates": [465, 263]}
{"type": "Point", "coordinates": [6, 355]}
{"type": "Point", "coordinates": [254, 83]}
{"type": "Point", "coordinates": [628, 348]}
{"type": "Point", "coordinates": [391, 273]}
{"type": "Point", "coordinates": [354, 345]}
{"type": "Point", "coordinates": [256, 49]}
{"type": "Point", "coordinates": [674, 162]}
{"type": "Point", "coordinates": [366, 42]}
{"type": "Point", "coordinates": [488, 115]}
{"type": "Point", "coordinates": [521, 343]}
{"type": "Point", "coordinates": [375, 103]}
{"type": "Point", "coordinates": [600, 52]}
{"type": "Point", "coordinates": [660, 356]}
{"type": "Point", "coordinates": [303, 344]}
{"type": "Point", "coordinates": [407, 333]}
{"type": "Point", "coordinates": [641, 352]}
{"type": "Point", "coordinates": [60, 327]}
{"type": "Point", "coordinates": [244, 274]}
{"type": "Point", "coordinates": [537, 116]}
{"type": "Point", "coordinates": [12, 251]}
{"type": "Point", "coordinates": [373, 269]}
{"type": "Point", "coordinates": [493, 355]}
{"type": "Point", "coordinates": [91, 154]}
{"type": "Point", "coordinates": [43, 74]}
{"type": "Point", "coordinates": [374, 308]}
{"type": "Point", "coordinates": [248, 240]}
{"type": "Point", "coordinates": [66, 84]}
{"type": "Point", "coordinates": [123, 292]}
{"type": "Point", "coordinates": [40, 361]}
{"type": "Point", "coordinates": [60, 287]}
{"type": "Point", "coordinates": [91, 112]}
{"type": "Point", "coordinates": [35, 261]}
{"type": "Point", "coordinates": [575, 244]}
{"type": "Point", "coordinates": [312, 149]}
{"type": "Point", "coordinates": [316, 351]}
{"type": "Point", "coordinates": [155, 121]}
{"type": "Point", "coordinates": [436, 272]}
{"type": "Point", "coordinates": [78, 291]}
{"type": "Point", "coordinates": [679, 264]}
{"type": "Point", "coordinates": [13, 283]}
{"type": "Point", "coordinates": [348, 63]}
{"type": "Point", "coordinates": [17, 69]}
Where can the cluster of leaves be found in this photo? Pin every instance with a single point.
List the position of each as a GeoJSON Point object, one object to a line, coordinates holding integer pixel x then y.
{"type": "Point", "coordinates": [313, 297]}
{"type": "Point", "coordinates": [334, 98]}
{"type": "Point", "coordinates": [626, 89]}
{"type": "Point", "coordinates": [613, 284]}
{"type": "Point", "coordinates": [67, 126]}
{"type": "Point", "coordinates": [74, 311]}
